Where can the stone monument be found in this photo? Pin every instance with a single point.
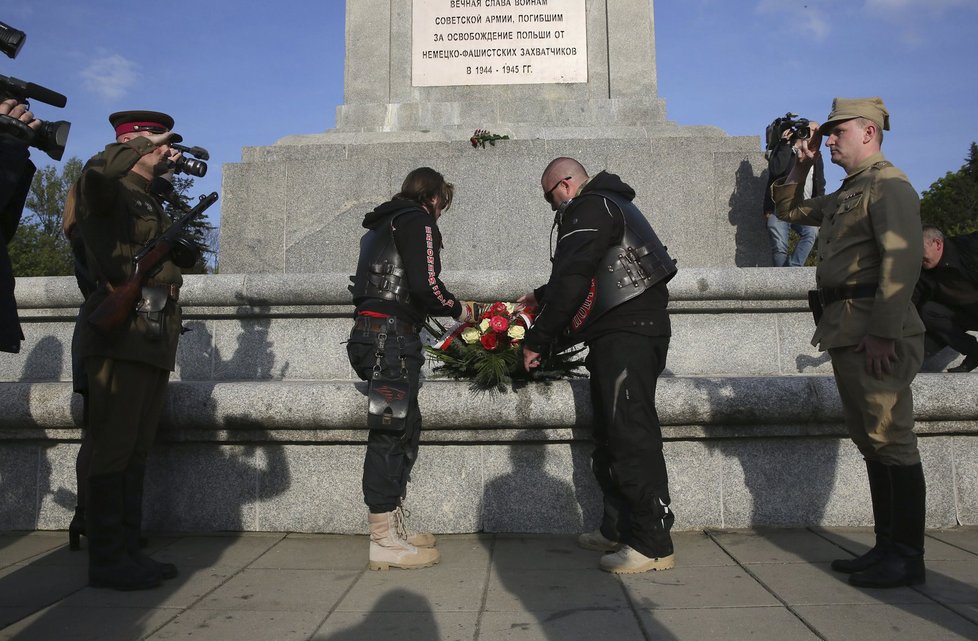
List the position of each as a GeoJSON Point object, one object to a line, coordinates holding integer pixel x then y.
{"type": "Point", "coordinates": [263, 427]}
{"type": "Point", "coordinates": [559, 77]}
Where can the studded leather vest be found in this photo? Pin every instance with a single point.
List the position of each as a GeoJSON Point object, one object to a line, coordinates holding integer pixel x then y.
{"type": "Point", "coordinates": [638, 262]}
{"type": "Point", "coordinates": [380, 270]}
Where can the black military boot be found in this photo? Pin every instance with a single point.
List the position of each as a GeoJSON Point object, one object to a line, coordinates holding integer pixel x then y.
{"type": "Point", "coordinates": [903, 563]}
{"type": "Point", "coordinates": [881, 493]}
{"type": "Point", "coordinates": [76, 529]}
{"type": "Point", "coordinates": [132, 522]}
{"type": "Point", "coordinates": [109, 564]}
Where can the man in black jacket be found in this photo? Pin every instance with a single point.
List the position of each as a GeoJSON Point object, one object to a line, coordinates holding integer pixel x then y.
{"type": "Point", "coordinates": [396, 287]}
{"type": "Point", "coordinates": [947, 293]}
{"type": "Point", "coordinates": [607, 288]}
{"type": "Point", "coordinates": [16, 174]}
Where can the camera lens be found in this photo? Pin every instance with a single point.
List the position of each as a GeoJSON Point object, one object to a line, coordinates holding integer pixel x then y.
{"type": "Point", "coordinates": [190, 166]}
{"type": "Point", "coordinates": [52, 137]}
{"type": "Point", "coordinates": [11, 40]}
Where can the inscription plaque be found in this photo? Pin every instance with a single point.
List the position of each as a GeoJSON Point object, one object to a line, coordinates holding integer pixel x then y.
{"type": "Point", "coordinates": [498, 42]}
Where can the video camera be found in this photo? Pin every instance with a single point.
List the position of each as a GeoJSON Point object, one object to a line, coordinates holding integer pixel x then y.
{"type": "Point", "coordinates": [50, 137]}
{"type": "Point", "coordinates": [185, 165]}
{"type": "Point", "coordinates": [801, 129]}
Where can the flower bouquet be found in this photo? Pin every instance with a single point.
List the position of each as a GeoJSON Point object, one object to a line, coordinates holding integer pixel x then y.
{"type": "Point", "coordinates": [487, 353]}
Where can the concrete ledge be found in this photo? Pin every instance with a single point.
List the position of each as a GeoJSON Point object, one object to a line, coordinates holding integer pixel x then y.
{"type": "Point", "coordinates": [263, 428]}
{"type": "Point", "coordinates": [333, 411]}
{"type": "Point", "coordinates": [230, 290]}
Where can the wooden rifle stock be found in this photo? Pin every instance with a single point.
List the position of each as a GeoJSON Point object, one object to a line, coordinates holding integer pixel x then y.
{"type": "Point", "coordinates": [116, 308]}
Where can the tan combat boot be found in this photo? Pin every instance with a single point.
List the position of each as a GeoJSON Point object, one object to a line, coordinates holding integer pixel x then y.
{"type": "Point", "coordinates": [417, 539]}
{"type": "Point", "coordinates": [388, 549]}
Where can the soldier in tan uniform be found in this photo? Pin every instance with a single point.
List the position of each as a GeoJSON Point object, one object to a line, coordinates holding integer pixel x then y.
{"type": "Point", "coordinates": [128, 368]}
{"type": "Point", "coordinates": [870, 249]}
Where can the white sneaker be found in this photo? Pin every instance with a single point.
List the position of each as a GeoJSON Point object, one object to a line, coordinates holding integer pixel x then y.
{"type": "Point", "coordinates": [628, 561]}
{"type": "Point", "coordinates": [597, 542]}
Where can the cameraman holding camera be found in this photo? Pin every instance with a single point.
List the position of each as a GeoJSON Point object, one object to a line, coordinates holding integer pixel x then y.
{"type": "Point", "coordinates": [781, 157]}
{"type": "Point", "coordinates": [16, 174]}
{"type": "Point", "coordinates": [19, 129]}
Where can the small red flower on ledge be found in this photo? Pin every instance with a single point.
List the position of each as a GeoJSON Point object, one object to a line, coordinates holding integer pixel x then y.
{"type": "Point", "coordinates": [483, 136]}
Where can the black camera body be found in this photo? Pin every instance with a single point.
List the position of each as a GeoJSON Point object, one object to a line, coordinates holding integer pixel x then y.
{"type": "Point", "coordinates": [801, 129]}
{"type": "Point", "coordinates": [50, 137]}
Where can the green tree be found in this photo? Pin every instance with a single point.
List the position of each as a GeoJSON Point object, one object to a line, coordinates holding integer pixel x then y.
{"type": "Point", "coordinates": [39, 248]}
{"type": "Point", "coordinates": [951, 203]}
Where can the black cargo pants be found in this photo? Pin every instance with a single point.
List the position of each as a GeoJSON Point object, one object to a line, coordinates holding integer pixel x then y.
{"type": "Point", "coordinates": [627, 460]}
{"type": "Point", "coordinates": [390, 454]}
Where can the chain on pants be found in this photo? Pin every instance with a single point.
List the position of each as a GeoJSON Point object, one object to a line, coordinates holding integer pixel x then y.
{"type": "Point", "coordinates": [390, 454]}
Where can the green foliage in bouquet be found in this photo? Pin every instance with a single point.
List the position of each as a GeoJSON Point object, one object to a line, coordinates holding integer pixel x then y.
{"type": "Point", "coordinates": [489, 356]}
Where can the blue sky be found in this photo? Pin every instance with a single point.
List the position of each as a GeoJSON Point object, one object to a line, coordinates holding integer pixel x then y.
{"type": "Point", "coordinates": [246, 73]}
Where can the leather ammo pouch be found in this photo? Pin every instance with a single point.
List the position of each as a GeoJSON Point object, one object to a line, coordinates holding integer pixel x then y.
{"type": "Point", "coordinates": [387, 401]}
{"type": "Point", "coordinates": [150, 308]}
{"type": "Point", "coordinates": [815, 304]}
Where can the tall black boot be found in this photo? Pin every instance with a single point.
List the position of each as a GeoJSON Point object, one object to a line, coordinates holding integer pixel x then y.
{"type": "Point", "coordinates": [109, 564]}
{"type": "Point", "coordinates": [903, 563]}
{"type": "Point", "coordinates": [76, 529]}
{"type": "Point", "coordinates": [882, 496]}
{"type": "Point", "coordinates": [132, 521]}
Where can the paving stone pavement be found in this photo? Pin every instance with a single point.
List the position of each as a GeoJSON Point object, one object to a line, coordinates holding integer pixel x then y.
{"type": "Point", "coordinates": [728, 584]}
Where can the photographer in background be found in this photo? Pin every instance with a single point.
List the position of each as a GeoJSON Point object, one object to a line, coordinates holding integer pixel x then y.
{"type": "Point", "coordinates": [16, 173]}
{"type": "Point", "coordinates": [785, 136]}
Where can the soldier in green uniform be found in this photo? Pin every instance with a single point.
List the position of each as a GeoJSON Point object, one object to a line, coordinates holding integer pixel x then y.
{"type": "Point", "coordinates": [127, 368]}
{"type": "Point", "coordinates": [870, 249]}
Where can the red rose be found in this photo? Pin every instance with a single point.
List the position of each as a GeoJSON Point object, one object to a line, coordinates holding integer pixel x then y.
{"type": "Point", "coordinates": [489, 341]}
{"type": "Point", "coordinates": [498, 308]}
{"type": "Point", "coordinates": [474, 141]}
{"type": "Point", "coordinates": [498, 324]}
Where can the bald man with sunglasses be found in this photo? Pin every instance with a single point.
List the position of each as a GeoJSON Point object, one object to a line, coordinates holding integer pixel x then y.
{"type": "Point", "coordinates": [607, 288]}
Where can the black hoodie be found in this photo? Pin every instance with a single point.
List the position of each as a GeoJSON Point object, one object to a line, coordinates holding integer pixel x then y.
{"type": "Point", "coordinates": [418, 242]}
{"type": "Point", "coordinates": [586, 229]}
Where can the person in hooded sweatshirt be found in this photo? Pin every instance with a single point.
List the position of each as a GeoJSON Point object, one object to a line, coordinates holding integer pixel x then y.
{"type": "Point", "coordinates": [396, 287]}
{"type": "Point", "coordinates": [607, 288]}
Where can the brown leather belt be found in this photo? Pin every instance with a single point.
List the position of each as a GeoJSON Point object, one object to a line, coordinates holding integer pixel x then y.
{"type": "Point", "coordinates": [390, 325]}
{"type": "Point", "coordinates": [829, 295]}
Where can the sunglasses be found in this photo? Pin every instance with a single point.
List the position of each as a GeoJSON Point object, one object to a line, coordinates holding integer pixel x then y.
{"type": "Point", "coordinates": [548, 195]}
